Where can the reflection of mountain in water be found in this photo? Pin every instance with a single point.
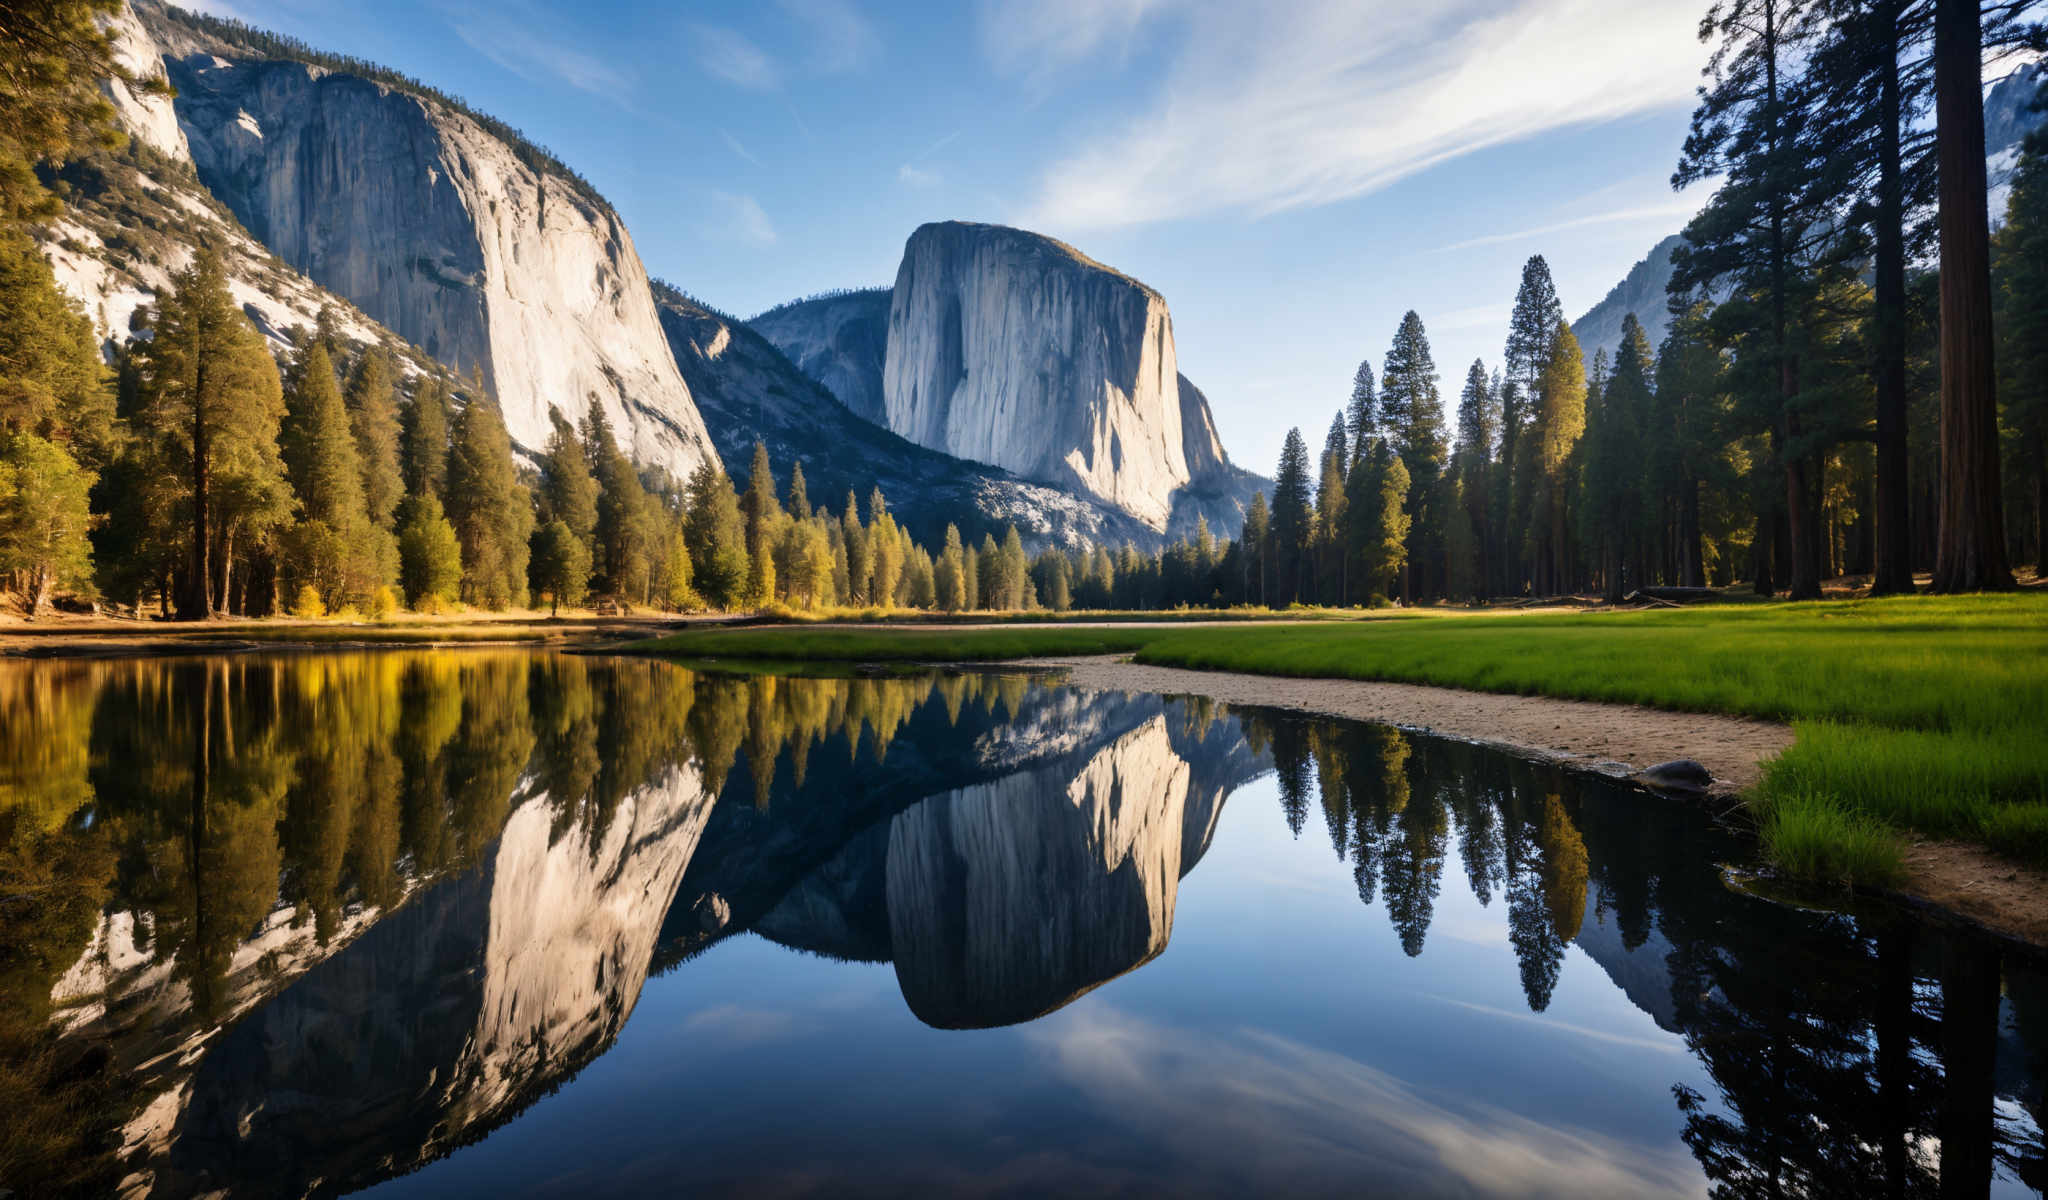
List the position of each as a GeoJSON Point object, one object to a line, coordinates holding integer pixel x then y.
{"type": "Point", "coordinates": [1007, 898]}
{"type": "Point", "coordinates": [449, 1017]}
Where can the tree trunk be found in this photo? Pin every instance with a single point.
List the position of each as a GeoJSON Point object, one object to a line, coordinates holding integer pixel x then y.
{"type": "Point", "coordinates": [1692, 565]}
{"type": "Point", "coordinates": [198, 602]}
{"type": "Point", "coordinates": [1760, 556]}
{"type": "Point", "coordinates": [1893, 569]}
{"type": "Point", "coordinates": [1970, 552]}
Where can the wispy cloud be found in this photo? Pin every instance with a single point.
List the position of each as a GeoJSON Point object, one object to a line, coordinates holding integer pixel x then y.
{"type": "Point", "coordinates": [742, 217]}
{"type": "Point", "coordinates": [916, 177]}
{"type": "Point", "coordinates": [1264, 110]}
{"type": "Point", "coordinates": [727, 54]}
{"type": "Point", "coordinates": [733, 144]}
{"type": "Point", "coordinates": [840, 38]}
{"type": "Point", "coordinates": [540, 58]}
{"type": "Point", "coordinates": [1252, 1107]}
{"type": "Point", "coordinates": [1677, 210]}
{"type": "Point", "coordinates": [1036, 38]}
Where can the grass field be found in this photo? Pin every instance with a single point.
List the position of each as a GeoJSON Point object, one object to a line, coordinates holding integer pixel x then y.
{"type": "Point", "coordinates": [1916, 713]}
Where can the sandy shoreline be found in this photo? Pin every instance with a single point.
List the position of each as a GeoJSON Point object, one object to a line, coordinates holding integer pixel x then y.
{"type": "Point", "coordinates": [1613, 739]}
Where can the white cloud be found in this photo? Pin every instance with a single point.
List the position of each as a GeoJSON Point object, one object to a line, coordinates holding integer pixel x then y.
{"type": "Point", "coordinates": [1258, 1107]}
{"type": "Point", "coordinates": [1261, 110]}
{"type": "Point", "coordinates": [916, 177]}
{"type": "Point", "coordinates": [727, 54]}
{"type": "Point", "coordinates": [539, 58]}
{"type": "Point", "coordinates": [1678, 211]}
{"type": "Point", "coordinates": [733, 144]}
{"type": "Point", "coordinates": [744, 219]}
{"type": "Point", "coordinates": [841, 39]}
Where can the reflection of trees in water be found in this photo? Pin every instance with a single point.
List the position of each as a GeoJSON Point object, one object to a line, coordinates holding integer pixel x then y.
{"type": "Point", "coordinates": [211, 815]}
{"type": "Point", "coordinates": [1849, 1057]}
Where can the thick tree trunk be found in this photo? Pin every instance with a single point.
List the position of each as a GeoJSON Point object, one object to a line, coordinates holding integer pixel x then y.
{"type": "Point", "coordinates": [1692, 570]}
{"type": "Point", "coordinates": [1970, 553]}
{"type": "Point", "coordinates": [1893, 569]}
{"type": "Point", "coordinates": [197, 604]}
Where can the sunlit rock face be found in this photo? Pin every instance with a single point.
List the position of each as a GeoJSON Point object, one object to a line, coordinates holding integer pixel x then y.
{"type": "Point", "coordinates": [436, 228]}
{"type": "Point", "coordinates": [450, 1015]}
{"type": "Point", "coordinates": [1010, 348]}
{"type": "Point", "coordinates": [1007, 900]}
{"type": "Point", "coordinates": [130, 226]}
{"type": "Point", "coordinates": [748, 390]}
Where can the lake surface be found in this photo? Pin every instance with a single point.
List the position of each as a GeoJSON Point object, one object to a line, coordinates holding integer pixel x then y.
{"type": "Point", "coordinates": [519, 924]}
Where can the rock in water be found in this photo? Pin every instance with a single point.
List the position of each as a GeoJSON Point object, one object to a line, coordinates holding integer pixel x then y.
{"type": "Point", "coordinates": [443, 226]}
{"type": "Point", "coordinates": [1680, 776]}
{"type": "Point", "coordinates": [1010, 348]}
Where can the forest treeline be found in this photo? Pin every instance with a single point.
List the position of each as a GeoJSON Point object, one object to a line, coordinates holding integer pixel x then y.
{"type": "Point", "coordinates": [1855, 379]}
{"type": "Point", "coordinates": [1855, 382]}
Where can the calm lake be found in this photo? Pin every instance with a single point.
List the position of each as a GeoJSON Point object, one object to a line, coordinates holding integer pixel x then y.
{"type": "Point", "coordinates": [520, 924]}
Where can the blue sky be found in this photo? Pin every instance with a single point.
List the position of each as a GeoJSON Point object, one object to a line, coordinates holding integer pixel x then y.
{"type": "Point", "coordinates": [1291, 176]}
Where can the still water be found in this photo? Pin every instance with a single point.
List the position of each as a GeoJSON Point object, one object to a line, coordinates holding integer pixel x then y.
{"type": "Point", "coordinates": [510, 924]}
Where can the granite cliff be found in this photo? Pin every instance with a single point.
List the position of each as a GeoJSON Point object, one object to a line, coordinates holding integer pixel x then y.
{"type": "Point", "coordinates": [1009, 348]}
{"type": "Point", "coordinates": [465, 243]}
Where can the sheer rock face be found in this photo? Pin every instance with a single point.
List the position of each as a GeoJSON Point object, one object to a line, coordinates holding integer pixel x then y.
{"type": "Point", "coordinates": [130, 227]}
{"type": "Point", "coordinates": [1009, 899]}
{"type": "Point", "coordinates": [841, 341]}
{"type": "Point", "coordinates": [1010, 348]}
{"type": "Point", "coordinates": [435, 227]}
{"type": "Point", "coordinates": [748, 389]}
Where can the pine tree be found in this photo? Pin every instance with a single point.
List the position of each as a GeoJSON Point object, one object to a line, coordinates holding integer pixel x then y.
{"type": "Point", "coordinates": [621, 536]}
{"type": "Point", "coordinates": [1330, 515]}
{"type": "Point", "coordinates": [52, 382]}
{"type": "Point", "coordinates": [561, 565]}
{"type": "Point", "coordinates": [424, 444]}
{"type": "Point", "coordinates": [799, 493]}
{"type": "Point", "coordinates": [1614, 481]}
{"type": "Point", "coordinates": [57, 54]}
{"type": "Point", "coordinates": [334, 549]}
{"type": "Point", "coordinates": [1292, 521]}
{"type": "Point", "coordinates": [1472, 473]}
{"type": "Point", "coordinates": [45, 515]}
{"type": "Point", "coordinates": [1256, 538]}
{"type": "Point", "coordinates": [1379, 521]}
{"type": "Point", "coordinates": [568, 491]}
{"type": "Point", "coordinates": [429, 555]}
{"type": "Point", "coordinates": [209, 407]}
{"type": "Point", "coordinates": [373, 417]}
{"type": "Point", "coordinates": [491, 512]}
{"type": "Point", "coordinates": [949, 573]}
{"type": "Point", "coordinates": [1412, 413]}
{"type": "Point", "coordinates": [1560, 421]}
{"type": "Point", "coordinates": [717, 536]}
{"type": "Point", "coordinates": [762, 514]}
{"type": "Point", "coordinates": [859, 567]}
{"type": "Point", "coordinates": [1361, 415]}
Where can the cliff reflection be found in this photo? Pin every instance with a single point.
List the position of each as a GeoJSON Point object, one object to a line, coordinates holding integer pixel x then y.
{"type": "Point", "coordinates": [291, 925]}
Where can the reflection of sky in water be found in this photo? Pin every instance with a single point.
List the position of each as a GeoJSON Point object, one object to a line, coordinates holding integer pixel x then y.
{"type": "Point", "coordinates": [1282, 1041]}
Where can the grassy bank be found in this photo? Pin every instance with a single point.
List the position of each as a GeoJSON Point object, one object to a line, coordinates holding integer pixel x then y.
{"type": "Point", "coordinates": [1918, 713]}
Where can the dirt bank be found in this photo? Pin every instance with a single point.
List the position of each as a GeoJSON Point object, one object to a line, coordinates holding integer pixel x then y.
{"type": "Point", "coordinates": [1965, 881]}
